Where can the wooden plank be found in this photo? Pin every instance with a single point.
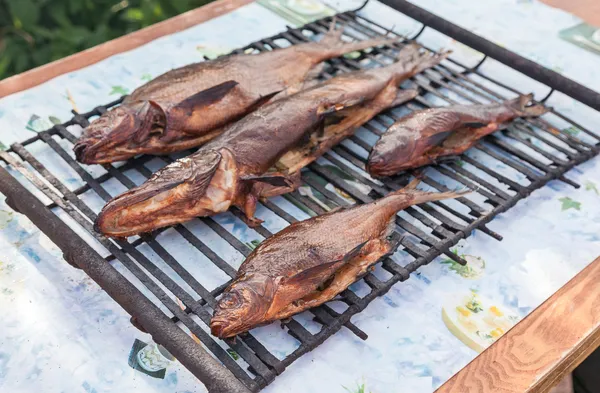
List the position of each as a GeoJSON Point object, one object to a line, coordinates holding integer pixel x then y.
{"type": "Point", "coordinates": [127, 42]}
{"type": "Point", "coordinates": [588, 10]}
{"type": "Point", "coordinates": [540, 350]}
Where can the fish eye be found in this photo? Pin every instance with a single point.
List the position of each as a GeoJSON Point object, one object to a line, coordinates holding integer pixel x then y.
{"type": "Point", "coordinates": [231, 300]}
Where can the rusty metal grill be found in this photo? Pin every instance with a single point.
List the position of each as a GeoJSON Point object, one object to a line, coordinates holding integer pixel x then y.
{"type": "Point", "coordinates": [533, 151]}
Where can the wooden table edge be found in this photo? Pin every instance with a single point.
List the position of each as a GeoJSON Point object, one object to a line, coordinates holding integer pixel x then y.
{"type": "Point", "coordinates": [39, 75]}
{"type": "Point", "coordinates": [534, 356]}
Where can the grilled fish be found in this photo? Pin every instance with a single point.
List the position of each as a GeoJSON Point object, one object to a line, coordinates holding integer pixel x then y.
{"type": "Point", "coordinates": [422, 137]}
{"type": "Point", "coordinates": [234, 169]}
{"type": "Point", "coordinates": [188, 106]}
{"type": "Point", "coordinates": [310, 262]}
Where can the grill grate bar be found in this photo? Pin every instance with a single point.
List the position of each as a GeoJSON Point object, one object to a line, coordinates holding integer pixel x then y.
{"type": "Point", "coordinates": [140, 275]}
{"type": "Point", "coordinates": [501, 195]}
{"type": "Point", "coordinates": [500, 177]}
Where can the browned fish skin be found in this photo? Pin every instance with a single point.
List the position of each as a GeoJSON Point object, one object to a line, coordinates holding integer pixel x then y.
{"type": "Point", "coordinates": [188, 106]}
{"type": "Point", "coordinates": [233, 168]}
{"type": "Point", "coordinates": [423, 136]}
{"type": "Point", "coordinates": [282, 275]}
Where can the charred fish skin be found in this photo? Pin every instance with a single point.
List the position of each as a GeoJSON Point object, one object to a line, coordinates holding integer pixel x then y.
{"type": "Point", "coordinates": [423, 136]}
{"type": "Point", "coordinates": [188, 106]}
{"type": "Point", "coordinates": [249, 148]}
{"type": "Point", "coordinates": [310, 262]}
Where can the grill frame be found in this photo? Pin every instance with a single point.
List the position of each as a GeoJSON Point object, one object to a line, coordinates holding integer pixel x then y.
{"type": "Point", "coordinates": [446, 231]}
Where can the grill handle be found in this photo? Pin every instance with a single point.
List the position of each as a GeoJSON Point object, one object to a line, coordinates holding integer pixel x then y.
{"type": "Point", "coordinates": [213, 375]}
{"type": "Point", "coordinates": [530, 68]}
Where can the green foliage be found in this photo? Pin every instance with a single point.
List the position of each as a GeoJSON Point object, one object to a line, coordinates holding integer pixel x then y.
{"type": "Point", "coordinates": [568, 203]}
{"type": "Point", "coordinates": [233, 354]}
{"type": "Point", "coordinates": [591, 186]}
{"type": "Point", "coordinates": [35, 32]}
{"type": "Point", "coordinates": [359, 389]}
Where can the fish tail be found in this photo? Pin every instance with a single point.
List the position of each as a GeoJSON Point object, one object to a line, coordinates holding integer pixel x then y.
{"type": "Point", "coordinates": [423, 196]}
{"type": "Point", "coordinates": [332, 45]}
{"type": "Point", "coordinates": [519, 104]}
{"type": "Point", "coordinates": [412, 60]}
{"type": "Point", "coordinates": [412, 185]}
{"type": "Point", "coordinates": [413, 196]}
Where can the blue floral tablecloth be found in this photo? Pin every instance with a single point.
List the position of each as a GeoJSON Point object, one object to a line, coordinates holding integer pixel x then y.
{"type": "Point", "coordinates": [60, 333]}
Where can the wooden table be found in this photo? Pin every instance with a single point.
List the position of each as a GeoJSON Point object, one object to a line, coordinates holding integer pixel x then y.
{"type": "Point", "coordinates": [533, 356]}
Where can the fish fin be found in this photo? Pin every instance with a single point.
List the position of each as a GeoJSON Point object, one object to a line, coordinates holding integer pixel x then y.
{"type": "Point", "coordinates": [207, 96]}
{"type": "Point", "coordinates": [332, 45]}
{"type": "Point", "coordinates": [264, 186]}
{"type": "Point", "coordinates": [519, 104]}
{"type": "Point", "coordinates": [412, 185]}
{"type": "Point", "coordinates": [436, 139]}
{"type": "Point", "coordinates": [333, 35]}
{"type": "Point", "coordinates": [404, 96]}
{"type": "Point", "coordinates": [179, 114]}
{"type": "Point", "coordinates": [314, 275]}
{"type": "Point", "coordinates": [422, 196]}
{"type": "Point", "coordinates": [249, 209]}
{"type": "Point", "coordinates": [418, 196]}
{"type": "Point", "coordinates": [412, 58]}
{"type": "Point", "coordinates": [320, 273]}
{"type": "Point", "coordinates": [354, 252]}
{"type": "Point", "coordinates": [464, 138]}
{"type": "Point", "coordinates": [272, 179]}
{"type": "Point", "coordinates": [291, 90]}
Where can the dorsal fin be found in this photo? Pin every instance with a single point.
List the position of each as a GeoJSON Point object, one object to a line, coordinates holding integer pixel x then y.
{"type": "Point", "coordinates": [206, 97]}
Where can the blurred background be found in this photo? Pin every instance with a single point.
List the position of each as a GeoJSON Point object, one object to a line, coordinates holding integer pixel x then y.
{"type": "Point", "coordinates": [36, 32]}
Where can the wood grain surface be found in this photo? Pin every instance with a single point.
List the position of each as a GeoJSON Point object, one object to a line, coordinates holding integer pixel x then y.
{"type": "Point", "coordinates": [127, 42]}
{"type": "Point", "coordinates": [588, 10]}
{"type": "Point", "coordinates": [540, 350]}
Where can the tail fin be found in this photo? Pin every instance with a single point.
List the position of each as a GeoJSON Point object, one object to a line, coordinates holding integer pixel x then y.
{"type": "Point", "coordinates": [332, 45]}
{"type": "Point", "coordinates": [417, 196]}
{"type": "Point", "coordinates": [411, 60]}
{"type": "Point", "coordinates": [519, 104]}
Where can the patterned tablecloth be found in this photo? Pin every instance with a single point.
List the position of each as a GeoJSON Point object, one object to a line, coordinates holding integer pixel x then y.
{"type": "Point", "coordinates": [60, 333]}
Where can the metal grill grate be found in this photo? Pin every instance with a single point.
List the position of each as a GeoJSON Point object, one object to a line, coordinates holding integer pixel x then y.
{"type": "Point", "coordinates": [534, 151]}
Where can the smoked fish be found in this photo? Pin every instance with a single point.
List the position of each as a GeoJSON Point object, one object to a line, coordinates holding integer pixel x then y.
{"type": "Point", "coordinates": [189, 106]}
{"type": "Point", "coordinates": [236, 168]}
{"type": "Point", "coordinates": [424, 136]}
{"type": "Point", "coordinates": [310, 262]}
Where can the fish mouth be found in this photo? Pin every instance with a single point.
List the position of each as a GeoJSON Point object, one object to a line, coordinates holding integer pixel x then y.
{"type": "Point", "coordinates": [379, 166]}
{"type": "Point", "coordinates": [124, 132]}
{"type": "Point", "coordinates": [188, 188]}
{"type": "Point", "coordinates": [222, 328]}
{"type": "Point", "coordinates": [94, 152]}
{"type": "Point", "coordinates": [106, 138]}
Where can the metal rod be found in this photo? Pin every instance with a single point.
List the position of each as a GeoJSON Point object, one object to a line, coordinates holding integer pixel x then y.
{"type": "Point", "coordinates": [533, 70]}
{"type": "Point", "coordinates": [213, 375]}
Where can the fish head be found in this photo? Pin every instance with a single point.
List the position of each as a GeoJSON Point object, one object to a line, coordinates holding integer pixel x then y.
{"type": "Point", "coordinates": [243, 306]}
{"type": "Point", "coordinates": [397, 150]}
{"type": "Point", "coordinates": [198, 185]}
{"type": "Point", "coordinates": [377, 163]}
{"type": "Point", "coordinates": [121, 133]}
{"type": "Point", "coordinates": [384, 160]}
